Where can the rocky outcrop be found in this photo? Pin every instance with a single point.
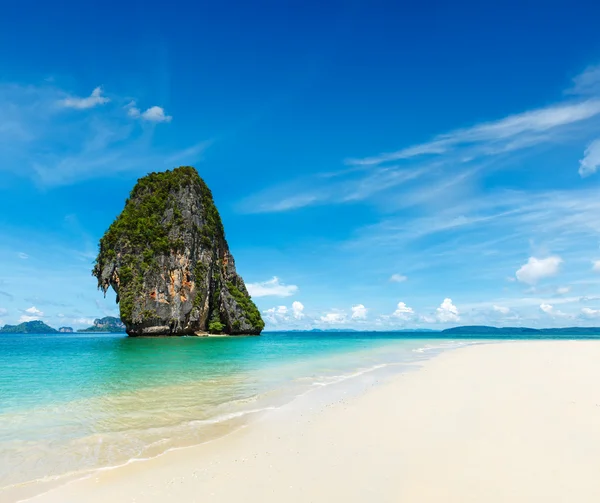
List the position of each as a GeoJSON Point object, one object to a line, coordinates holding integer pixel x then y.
{"type": "Point", "coordinates": [167, 259]}
{"type": "Point", "coordinates": [108, 324]}
{"type": "Point", "coordinates": [66, 330]}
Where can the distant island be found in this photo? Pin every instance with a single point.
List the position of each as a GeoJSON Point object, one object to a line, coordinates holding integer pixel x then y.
{"type": "Point", "coordinates": [28, 327]}
{"type": "Point", "coordinates": [107, 324]}
{"type": "Point", "coordinates": [485, 330]}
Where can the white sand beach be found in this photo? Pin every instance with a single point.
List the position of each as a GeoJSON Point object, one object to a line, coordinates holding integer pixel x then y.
{"type": "Point", "coordinates": [509, 422]}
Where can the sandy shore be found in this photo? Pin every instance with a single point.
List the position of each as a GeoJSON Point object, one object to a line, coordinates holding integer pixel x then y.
{"type": "Point", "coordinates": [512, 422]}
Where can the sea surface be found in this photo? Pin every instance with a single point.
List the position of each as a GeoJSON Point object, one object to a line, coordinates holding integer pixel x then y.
{"type": "Point", "coordinates": [73, 403]}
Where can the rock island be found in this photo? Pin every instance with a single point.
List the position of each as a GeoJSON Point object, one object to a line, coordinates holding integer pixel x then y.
{"type": "Point", "coordinates": [167, 259]}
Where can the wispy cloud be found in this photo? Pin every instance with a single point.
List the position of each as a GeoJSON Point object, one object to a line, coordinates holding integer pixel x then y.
{"type": "Point", "coordinates": [591, 159]}
{"type": "Point", "coordinates": [53, 147]}
{"type": "Point", "coordinates": [91, 101]}
{"type": "Point", "coordinates": [511, 133]}
{"type": "Point", "coordinates": [586, 83]}
{"type": "Point", "coordinates": [329, 190]}
{"type": "Point", "coordinates": [449, 163]}
{"type": "Point", "coordinates": [273, 287]}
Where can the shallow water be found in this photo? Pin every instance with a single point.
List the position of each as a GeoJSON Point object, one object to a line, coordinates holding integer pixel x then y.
{"type": "Point", "coordinates": [71, 403]}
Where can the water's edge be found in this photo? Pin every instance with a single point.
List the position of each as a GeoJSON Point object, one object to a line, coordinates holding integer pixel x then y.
{"type": "Point", "coordinates": [217, 427]}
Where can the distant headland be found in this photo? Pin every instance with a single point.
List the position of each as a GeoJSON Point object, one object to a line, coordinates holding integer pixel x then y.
{"type": "Point", "coordinates": [485, 330]}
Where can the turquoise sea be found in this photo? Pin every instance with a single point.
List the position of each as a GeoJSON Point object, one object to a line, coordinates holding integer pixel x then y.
{"type": "Point", "coordinates": [72, 403]}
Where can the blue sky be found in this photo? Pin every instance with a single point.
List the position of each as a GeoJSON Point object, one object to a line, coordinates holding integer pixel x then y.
{"type": "Point", "coordinates": [376, 165]}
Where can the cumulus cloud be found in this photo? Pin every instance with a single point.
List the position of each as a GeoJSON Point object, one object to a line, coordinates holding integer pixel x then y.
{"type": "Point", "coordinates": [359, 312]}
{"type": "Point", "coordinates": [398, 278]}
{"type": "Point", "coordinates": [281, 314]}
{"type": "Point", "coordinates": [552, 311]}
{"type": "Point", "coordinates": [596, 266]}
{"type": "Point", "coordinates": [273, 287]}
{"type": "Point", "coordinates": [152, 114]}
{"type": "Point", "coordinates": [333, 318]}
{"type": "Point", "coordinates": [403, 312]}
{"type": "Point", "coordinates": [91, 101]}
{"type": "Point", "coordinates": [591, 159]}
{"type": "Point", "coordinates": [536, 269]}
{"type": "Point", "coordinates": [298, 310]}
{"type": "Point", "coordinates": [447, 312]}
{"type": "Point", "coordinates": [275, 315]}
{"type": "Point", "coordinates": [501, 309]}
{"type": "Point", "coordinates": [32, 314]}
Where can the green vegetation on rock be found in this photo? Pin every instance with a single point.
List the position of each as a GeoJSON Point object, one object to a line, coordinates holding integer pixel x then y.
{"type": "Point", "coordinates": [166, 257]}
{"type": "Point", "coordinates": [28, 327]}
{"type": "Point", "coordinates": [107, 324]}
{"type": "Point", "coordinates": [251, 312]}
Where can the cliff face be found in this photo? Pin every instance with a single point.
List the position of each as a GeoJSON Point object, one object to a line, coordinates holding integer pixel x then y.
{"type": "Point", "coordinates": [106, 324]}
{"type": "Point", "coordinates": [167, 259]}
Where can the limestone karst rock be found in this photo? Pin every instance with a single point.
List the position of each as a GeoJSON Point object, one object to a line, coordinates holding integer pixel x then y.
{"type": "Point", "coordinates": [167, 259]}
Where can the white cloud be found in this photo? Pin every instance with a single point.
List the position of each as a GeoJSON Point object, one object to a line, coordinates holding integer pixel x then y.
{"type": "Point", "coordinates": [23, 256]}
{"type": "Point", "coordinates": [447, 312]}
{"type": "Point", "coordinates": [91, 101]}
{"type": "Point", "coordinates": [441, 170]}
{"type": "Point", "coordinates": [563, 290]}
{"type": "Point", "coordinates": [590, 313]}
{"type": "Point", "coordinates": [359, 312]}
{"type": "Point", "coordinates": [152, 114]}
{"type": "Point", "coordinates": [596, 265]}
{"type": "Point", "coordinates": [38, 140]}
{"type": "Point", "coordinates": [333, 318]}
{"type": "Point", "coordinates": [536, 269]}
{"type": "Point", "coordinates": [283, 314]}
{"type": "Point", "coordinates": [398, 278]}
{"type": "Point", "coordinates": [271, 288]}
{"type": "Point", "coordinates": [551, 311]}
{"type": "Point", "coordinates": [501, 133]}
{"type": "Point", "coordinates": [587, 82]}
{"type": "Point", "coordinates": [591, 159]}
{"type": "Point", "coordinates": [3, 311]}
{"type": "Point", "coordinates": [33, 314]}
{"type": "Point", "coordinates": [501, 309]}
{"type": "Point", "coordinates": [403, 312]}
{"type": "Point", "coordinates": [298, 310]}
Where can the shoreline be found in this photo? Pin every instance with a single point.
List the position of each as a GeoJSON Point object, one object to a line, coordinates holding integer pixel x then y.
{"type": "Point", "coordinates": [226, 423]}
{"type": "Point", "coordinates": [490, 422]}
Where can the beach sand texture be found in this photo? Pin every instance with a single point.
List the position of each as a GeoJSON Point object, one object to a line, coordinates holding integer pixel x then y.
{"type": "Point", "coordinates": [510, 422]}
